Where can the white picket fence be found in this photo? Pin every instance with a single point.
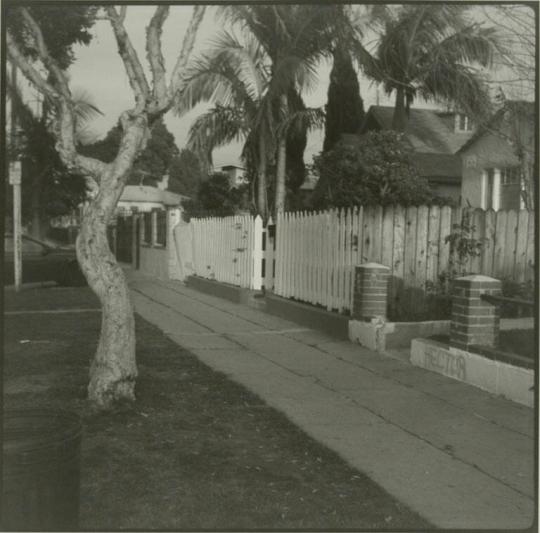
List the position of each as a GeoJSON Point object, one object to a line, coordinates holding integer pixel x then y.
{"type": "Point", "coordinates": [315, 257]}
{"type": "Point", "coordinates": [316, 253]}
{"type": "Point", "coordinates": [228, 249]}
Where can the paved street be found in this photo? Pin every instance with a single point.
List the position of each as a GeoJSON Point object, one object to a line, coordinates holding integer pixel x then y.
{"type": "Point", "coordinates": [460, 457]}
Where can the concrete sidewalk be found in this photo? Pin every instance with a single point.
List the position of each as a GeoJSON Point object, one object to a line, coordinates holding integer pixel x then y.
{"type": "Point", "coordinates": [460, 457]}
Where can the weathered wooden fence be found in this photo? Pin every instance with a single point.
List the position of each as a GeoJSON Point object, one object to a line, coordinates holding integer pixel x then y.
{"type": "Point", "coordinates": [316, 252]}
{"type": "Point", "coordinates": [228, 249]}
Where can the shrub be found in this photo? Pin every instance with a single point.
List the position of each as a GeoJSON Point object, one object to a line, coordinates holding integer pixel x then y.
{"type": "Point", "coordinates": [377, 170]}
{"type": "Point", "coordinates": [216, 197]}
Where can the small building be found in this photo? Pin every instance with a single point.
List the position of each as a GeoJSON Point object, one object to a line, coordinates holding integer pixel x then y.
{"type": "Point", "coordinates": [492, 176]}
{"type": "Point", "coordinates": [435, 137]}
{"type": "Point", "coordinates": [237, 175]}
{"type": "Point", "coordinates": [144, 198]}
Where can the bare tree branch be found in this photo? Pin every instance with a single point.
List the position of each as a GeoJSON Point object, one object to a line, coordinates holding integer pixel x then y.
{"type": "Point", "coordinates": [17, 57]}
{"type": "Point", "coordinates": [134, 70]}
{"type": "Point", "coordinates": [43, 52]}
{"type": "Point", "coordinates": [123, 11]}
{"type": "Point", "coordinates": [65, 121]}
{"type": "Point", "coordinates": [187, 47]}
{"type": "Point", "coordinates": [155, 54]}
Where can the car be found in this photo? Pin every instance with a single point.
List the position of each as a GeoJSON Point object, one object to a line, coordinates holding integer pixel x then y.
{"type": "Point", "coordinates": [42, 261]}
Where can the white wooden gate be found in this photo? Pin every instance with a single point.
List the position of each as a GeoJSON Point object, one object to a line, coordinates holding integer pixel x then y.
{"type": "Point", "coordinates": [228, 249]}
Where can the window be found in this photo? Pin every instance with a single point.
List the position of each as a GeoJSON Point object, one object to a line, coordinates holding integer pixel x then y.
{"type": "Point", "coordinates": [510, 176]}
{"type": "Point", "coordinates": [463, 122]}
{"type": "Point", "coordinates": [489, 189]}
{"type": "Point", "coordinates": [161, 223]}
{"type": "Point", "coordinates": [147, 228]}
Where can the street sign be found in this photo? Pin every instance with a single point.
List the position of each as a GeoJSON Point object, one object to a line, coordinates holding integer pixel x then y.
{"type": "Point", "coordinates": [15, 173]}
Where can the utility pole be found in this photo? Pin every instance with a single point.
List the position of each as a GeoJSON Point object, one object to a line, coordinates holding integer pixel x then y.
{"type": "Point", "coordinates": [15, 181]}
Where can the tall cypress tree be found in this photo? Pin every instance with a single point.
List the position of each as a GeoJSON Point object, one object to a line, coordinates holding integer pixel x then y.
{"type": "Point", "coordinates": [345, 107]}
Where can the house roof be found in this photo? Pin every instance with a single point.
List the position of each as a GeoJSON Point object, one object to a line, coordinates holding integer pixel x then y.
{"type": "Point", "coordinates": [146, 193]}
{"type": "Point", "coordinates": [526, 108]}
{"type": "Point", "coordinates": [427, 131]}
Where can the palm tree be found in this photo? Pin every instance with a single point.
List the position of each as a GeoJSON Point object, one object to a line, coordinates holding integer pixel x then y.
{"type": "Point", "coordinates": [294, 37]}
{"type": "Point", "coordinates": [431, 51]}
{"type": "Point", "coordinates": [234, 74]}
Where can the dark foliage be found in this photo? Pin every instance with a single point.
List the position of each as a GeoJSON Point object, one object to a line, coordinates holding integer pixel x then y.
{"type": "Point", "coordinates": [62, 27]}
{"type": "Point", "coordinates": [216, 197]}
{"type": "Point", "coordinates": [151, 164]}
{"type": "Point", "coordinates": [379, 170]}
{"type": "Point", "coordinates": [185, 173]}
{"type": "Point", "coordinates": [345, 107]}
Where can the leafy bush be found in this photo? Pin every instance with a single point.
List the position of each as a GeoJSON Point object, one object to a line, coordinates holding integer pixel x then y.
{"type": "Point", "coordinates": [216, 197]}
{"type": "Point", "coordinates": [378, 170]}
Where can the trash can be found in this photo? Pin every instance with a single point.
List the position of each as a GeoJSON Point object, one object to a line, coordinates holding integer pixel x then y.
{"type": "Point", "coordinates": [41, 470]}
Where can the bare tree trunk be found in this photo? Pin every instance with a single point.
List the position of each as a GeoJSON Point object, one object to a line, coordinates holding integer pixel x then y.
{"type": "Point", "coordinates": [113, 370]}
{"type": "Point", "coordinates": [399, 120]}
{"type": "Point", "coordinates": [261, 181]}
{"type": "Point", "coordinates": [279, 204]}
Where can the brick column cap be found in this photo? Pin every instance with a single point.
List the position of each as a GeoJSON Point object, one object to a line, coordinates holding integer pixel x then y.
{"type": "Point", "coordinates": [478, 278]}
{"type": "Point", "coordinates": [374, 266]}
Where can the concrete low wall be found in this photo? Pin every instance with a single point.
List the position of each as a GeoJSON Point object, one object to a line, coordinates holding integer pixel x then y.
{"type": "Point", "coordinates": [154, 262]}
{"type": "Point", "coordinates": [379, 335]}
{"type": "Point", "coordinates": [307, 315]}
{"type": "Point", "coordinates": [221, 290]}
{"type": "Point", "coordinates": [497, 377]}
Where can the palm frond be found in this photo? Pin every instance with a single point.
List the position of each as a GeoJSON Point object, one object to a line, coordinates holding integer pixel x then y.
{"type": "Point", "coordinates": [297, 122]}
{"type": "Point", "coordinates": [219, 126]}
{"type": "Point", "coordinates": [84, 107]}
{"type": "Point", "coordinates": [459, 84]}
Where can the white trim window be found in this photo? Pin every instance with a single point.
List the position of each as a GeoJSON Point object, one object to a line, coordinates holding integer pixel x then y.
{"type": "Point", "coordinates": [491, 188]}
{"type": "Point", "coordinates": [511, 176]}
{"type": "Point", "coordinates": [463, 123]}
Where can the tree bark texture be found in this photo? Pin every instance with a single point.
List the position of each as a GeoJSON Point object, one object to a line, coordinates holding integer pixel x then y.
{"type": "Point", "coordinates": [113, 370]}
{"type": "Point", "coordinates": [281, 165]}
{"type": "Point", "coordinates": [262, 206]}
{"type": "Point", "coordinates": [399, 120]}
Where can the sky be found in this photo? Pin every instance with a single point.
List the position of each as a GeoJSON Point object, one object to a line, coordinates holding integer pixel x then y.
{"type": "Point", "coordinates": [99, 72]}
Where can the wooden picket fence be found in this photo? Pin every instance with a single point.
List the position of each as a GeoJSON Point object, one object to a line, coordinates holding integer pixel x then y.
{"type": "Point", "coordinates": [228, 249]}
{"type": "Point", "coordinates": [316, 253]}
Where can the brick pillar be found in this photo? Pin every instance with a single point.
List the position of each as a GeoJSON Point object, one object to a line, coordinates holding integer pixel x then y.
{"type": "Point", "coordinates": [474, 321]}
{"type": "Point", "coordinates": [370, 291]}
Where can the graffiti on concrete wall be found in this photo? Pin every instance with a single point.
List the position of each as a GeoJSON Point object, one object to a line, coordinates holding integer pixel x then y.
{"type": "Point", "coordinates": [450, 364]}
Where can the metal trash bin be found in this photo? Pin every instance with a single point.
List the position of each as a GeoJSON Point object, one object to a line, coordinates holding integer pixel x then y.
{"type": "Point", "coordinates": [41, 470]}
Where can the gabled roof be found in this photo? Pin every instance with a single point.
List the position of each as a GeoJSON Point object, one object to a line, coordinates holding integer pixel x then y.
{"type": "Point", "coordinates": [524, 107]}
{"type": "Point", "coordinates": [146, 193]}
{"type": "Point", "coordinates": [428, 130]}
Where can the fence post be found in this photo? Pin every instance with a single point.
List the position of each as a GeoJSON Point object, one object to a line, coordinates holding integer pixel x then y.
{"type": "Point", "coordinates": [370, 291]}
{"type": "Point", "coordinates": [134, 241]}
{"type": "Point", "coordinates": [153, 225]}
{"type": "Point", "coordinates": [474, 321]}
{"type": "Point", "coordinates": [173, 219]}
{"type": "Point", "coordinates": [257, 254]}
{"type": "Point", "coordinates": [270, 238]}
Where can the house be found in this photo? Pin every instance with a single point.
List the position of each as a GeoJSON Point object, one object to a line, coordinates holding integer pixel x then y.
{"type": "Point", "coordinates": [491, 168]}
{"type": "Point", "coordinates": [236, 175]}
{"type": "Point", "coordinates": [435, 137]}
{"type": "Point", "coordinates": [143, 198]}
